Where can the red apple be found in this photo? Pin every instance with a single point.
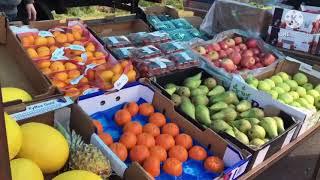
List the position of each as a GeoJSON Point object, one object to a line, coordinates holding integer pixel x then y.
{"type": "Point", "coordinates": [223, 45]}
{"type": "Point", "coordinates": [268, 59]}
{"type": "Point", "coordinates": [222, 54]}
{"type": "Point", "coordinates": [255, 51]}
{"type": "Point", "coordinates": [209, 48]}
{"type": "Point", "coordinates": [229, 51]}
{"type": "Point", "coordinates": [247, 61]}
{"type": "Point", "coordinates": [201, 50]}
{"type": "Point", "coordinates": [257, 59]}
{"type": "Point", "coordinates": [247, 53]}
{"type": "Point", "coordinates": [230, 42]}
{"type": "Point", "coordinates": [213, 55]}
{"type": "Point", "coordinates": [252, 43]}
{"type": "Point", "coordinates": [216, 47]}
{"type": "Point", "coordinates": [217, 63]}
{"type": "Point", "coordinates": [243, 46]}
{"type": "Point", "coordinates": [235, 57]}
{"type": "Point", "coordinates": [227, 64]}
{"type": "Point", "coordinates": [238, 40]}
{"type": "Point", "coordinates": [237, 48]}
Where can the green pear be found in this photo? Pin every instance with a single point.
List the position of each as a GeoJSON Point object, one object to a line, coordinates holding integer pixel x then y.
{"type": "Point", "coordinates": [293, 84]}
{"type": "Point", "coordinates": [313, 93]}
{"type": "Point", "coordinates": [295, 104]}
{"type": "Point", "coordinates": [200, 100]}
{"type": "Point", "coordinates": [184, 91]}
{"type": "Point", "coordinates": [253, 121]}
{"type": "Point", "coordinates": [195, 77]}
{"type": "Point", "coordinates": [197, 92]}
{"type": "Point", "coordinates": [308, 86]}
{"type": "Point", "coordinates": [170, 85]}
{"type": "Point", "coordinates": [216, 91]}
{"type": "Point", "coordinates": [317, 88]}
{"type": "Point", "coordinates": [230, 132]}
{"type": "Point", "coordinates": [243, 106]}
{"type": "Point", "coordinates": [240, 136]}
{"type": "Point", "coordinates": [218, 106]}
{"type": "Point", "coordinates": [279, 90]}
{"type": "Point", "coordinates": [270, 126]}
{"type": "Point", "coordinates": [227, 114]}
{"type": "Point", "coordinates": [284, 76]}
{"type": "Point", "coordinates": [301, 91]}
{"type": "Point", "coordinates": [228, 97]}
{"type": "Point", "coordinates": [270, 82]}
{"type": "Point", "coordinates": [253, 113]}
{"type": "Point", "coordinates": [284, 86]}
{"type": "Point", "coordinates": [304, 103]}
{"type": "Point", "coordinates": [243, 125]}
{"type": "Point", "coordinates": [176, 99]}
{"type": "Point", "coordinates": [210, 83]}
{"type": "Point", "coordinates": [300, 78]}
{"type": "Point", "coordinates": [252, 81]}
{"type": "Point", "coordinates": [280, 124]}
{"type": "Point", "coordinates": [294, 95]}
{"type": "Point", "coordinates": [219, 125]}
{"type": "Point", "coordinates": [257, 142]}
{"type": "Point", "coordinates": [203, 114]}
{"type": "Point", "coordinates": [264, 86]}
{"type": "Point", "coordinates": [317, 102]}
{"type": "Point", "coordinates": [171, 90]}
{"type": "Point", "coordinates": [256, 132]}
{"type": "Point", "coordinates": [185, 99]}
{"type": "Point", "coordinates": [204, 88]}
{"type": "Point", "coordinates": [309, 98]}
{"type": "Point", "coordinates": [274, 94]}
{"type": "Point", "coordinates": [192, 84]}
{"type": "Point", "coordinates": [232, 106]}
{"type": "Point", "coordinates": [276, 79]}
{"type": "Point", "coordinates": [286, 98]}
{"type": "Point", "coordinates": [188, 108]}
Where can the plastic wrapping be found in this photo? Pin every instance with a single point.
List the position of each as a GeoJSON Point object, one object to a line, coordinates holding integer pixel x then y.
{"type": "Point", "coordinates": [171, 47]}
{"type": "Point", "coordinates": [228, 14]}
{"type": "Point", "coordinates": [164, 25]}
{"type": "Point", "coordinates": [155, 66]}
{"type": "Point", "coordinates": [143, 38]}
{"type": "Point", "coordinates": [146, 52]}
{"type": "Point", "coordinates": [123, 53]}
{"type": "Point", "coordinates": [185, 59]}
{"type": "Point", "coordinates": [116, 41]}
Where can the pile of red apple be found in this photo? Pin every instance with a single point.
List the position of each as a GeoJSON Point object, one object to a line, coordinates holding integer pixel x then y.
{"type": "Point", "coordinates": [236, 54]}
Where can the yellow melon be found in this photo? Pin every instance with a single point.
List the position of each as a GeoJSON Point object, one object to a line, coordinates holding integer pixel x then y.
{"type": "Point", "coordinates": [77, 175]}
{"type": "Point", "coordinates": [25, 169]}
{"type": "Point", "coordinates": [14, 136]}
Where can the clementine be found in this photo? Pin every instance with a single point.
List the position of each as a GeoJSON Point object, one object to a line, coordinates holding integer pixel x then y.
{"type": "Point", "coordinates": [173, 167]}
{"type": "Point", "coordinates": [120, 150]}
{"type": "Point", "coordinates": [106, 138]}
{"type": "Point", "coordinates": [170, 128]}
{"type": "Point", "coordinates": [98, 125]}
{"type": "Point", "coordinates": [146, 109]}
{"type": "Point", "coordinates": [152, 166]}
{"type": "Point", "coordinates": [159, 152]}
{"type": "Point", "coordinates": [139, 153]}
{"type": "Point", "coordinates": [122, 117]}
{"type": "Point", "coordinates": [133, 127]}
{"type": "Point", "coordinates": [184, 140]}
{"type": "Point", "coordinates": [151, 129]}
{"type": "Point", "coordinates": [165, 140]}
{"type": "Point", "coordinates": [128, 139]}
{"type": "Point", "coordinates": [132, 107]}
{"type": "Point", "coordinates": [214, 164]}
{"type": "Point", "coordinates": [146, 140]}
{"type": "Point", "coordinates": [158, 119]}
{"type": "Point", "coordinates": [197, 153]}
{"type": "Point", "coordinates": [179, 153]}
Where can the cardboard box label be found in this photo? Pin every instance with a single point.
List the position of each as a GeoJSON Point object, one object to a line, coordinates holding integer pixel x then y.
{"type": "Point", "coordinates": [288, 137]}
{"type": "Point", "coordinates": [260, 157]}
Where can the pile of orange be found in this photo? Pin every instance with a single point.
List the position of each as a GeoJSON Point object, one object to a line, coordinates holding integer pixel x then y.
{"type": "Point", "coordinates": [156, 142]}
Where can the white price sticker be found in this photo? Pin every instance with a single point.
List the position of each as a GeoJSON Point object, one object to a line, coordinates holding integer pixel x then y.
{"type": "Point", "coordinates": [114, 40]}
{"type": "Point", "coordinates": [90, 91]}
{"type": "Point", "coordinates": [160, 62]}
{"type": "Point", "coordinates": [45, 34]}
{"type": "Point", "coordinates": [185, 56]}
{"type": "Point", "coordinates": [122, 81]}
{"type": "Point", "coordinates": [58, 54]}
{"type": "Point", "coordinates": [76, 80]}
{"type": "Point", "coordinates": [76, 47]}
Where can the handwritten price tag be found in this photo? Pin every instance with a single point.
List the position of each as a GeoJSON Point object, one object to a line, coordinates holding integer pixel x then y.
{"type": "Point", "coordinates": [122, 81]}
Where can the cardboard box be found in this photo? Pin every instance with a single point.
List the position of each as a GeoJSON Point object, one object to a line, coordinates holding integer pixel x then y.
{"type": "Point", "coordinates": [259, 154]}
{"type": "Point", "coordinates": [293, 40]}
{"type": "Point", "coordinates": [305, 118]}
{"type": "Point", "coordinates": [17, 70]}
{"type": "Point", "coordinates": [296, 20]}
{"type": "Point", "coordinates": [234, 158]}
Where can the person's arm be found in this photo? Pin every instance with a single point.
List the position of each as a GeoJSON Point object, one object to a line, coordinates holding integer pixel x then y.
{"type": "Point", "coordinates": [32, 13]}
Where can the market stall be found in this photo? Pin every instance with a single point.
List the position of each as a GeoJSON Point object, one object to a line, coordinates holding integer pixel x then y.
{"type": "Point", "coordinates": [153, 96]}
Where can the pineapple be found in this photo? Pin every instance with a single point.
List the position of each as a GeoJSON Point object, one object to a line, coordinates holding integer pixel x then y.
{"type": "Point", "coordinates": [85, 156]}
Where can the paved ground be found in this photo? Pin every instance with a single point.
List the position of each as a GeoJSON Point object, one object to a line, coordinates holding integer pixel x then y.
{"type": "Point", "coordinates": [299, 165]}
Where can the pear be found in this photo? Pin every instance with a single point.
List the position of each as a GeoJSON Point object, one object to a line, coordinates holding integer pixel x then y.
{"type": "Point", "coordinates": [279, 90]}
{"type": "Point", "coordinates": [284, 86]}
{"type": "Point", "coordinates": [232, 106]}
{"type": "Point", "coordinates": [317, 102]}
{"type": "Point", "coordinates": [286, 98]}
{"type": "Point", "coordinates": [284, 76]}
{"type": "Point", "coordinates": [240, 136]}
{"type": "Point", "coordinates": [203, 114]}
{"type": "Point", "coordinates": [257, 142]}
{"type": "Point", "coordinates": [188, 108]}
{"type": "Point", "coordinates": [243, 125]}
{"type": "Point", "coordinates": [219, 125]}
{"type": "Point", "coordinates": [227, 114]}
{"type": "Point", "coordinates": [216, 91]}
{"type": "Point", "coordinates": [244, 105]}
{"type": "Point", "coordinates": [184, 91]}
{"type": "Point", "coordinates": [256, 132]}
{"type": "Point", "coordinates": [317, 88]}
{"type": "Point", "coordinates": [204, 89]}
{"type": "Point", "coordinates": [304, 103]}
{"type": "Point", "coordinates": [176, 99]}
{"type": "Point", "coordinates": [253, 121]}
{"type": "Point", "coordinates": [171, 90]}
{"type": "Point", "coordinates": [301, 91]}
{"type": "Point", "coordinates": [170, 85]}
{"type": "Point", "coordinates": [280, 125]}
{"type": "Point", "coordinates": [295, 104]}
{"type": "Point", "coordinates": [230, 132]}
{"type": "Point", "coordinates": [270, 126]}
{"type": "Point", "coordinates": [300, 78]}
{"type": "Point", "coordinates": [252, 81]}
{"type": "Point", "coordinates": [210, 83]}
{"type": "Point", "coordinates": [252, 113]}
{"type": "Point", "coordinates": [309, 98]}
{"type": "Point", "coordinates": [195, 77]}
{"type": "Point", "coordinates": [274, 94]}
{"type": "Point", "coordinates": [293, 84]}
{"type": "Point", "coordinates": [270, 82]}
{"type": "Point", "coordinates": [200, 100]}
{"type": "Point", "coordinates": [192, 84]}
{"type": "Point", "coordinates": [184, 99]}
{"type": "Point", "coordinates": [308, 86]}
{"type": "Point", "coordinates": [294, 95]}
{"type": "Point", "coordinates": [228, 97]}
{"type": "Point", "coordinates": [218, 106]}
{"type": "Point", "coordinates": [264, 86]}
{"type": "Point", "coordinates": [313, 93]}
{"type": "Point", "coordinates": [276, 79]}
{"type": "Point", "coordinates": [197, 92]}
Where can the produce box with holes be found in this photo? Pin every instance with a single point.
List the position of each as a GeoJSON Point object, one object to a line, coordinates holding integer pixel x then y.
{"type": "Point", "coordinates": [293, 87]}
{"type": "Point", "coordinates": [69, 155]}
{"type": "Point", "coordinates": [144, 137]}
{"type": "Point", "coordinates": [65, 52]}
{"type": "Point", "coordinates": [200, 98]}
{"type": "Point", "coordinates": [235, 51]}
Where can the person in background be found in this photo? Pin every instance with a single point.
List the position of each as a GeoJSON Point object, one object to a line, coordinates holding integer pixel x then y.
{"type": "Point", "coordinates": [9, 7]}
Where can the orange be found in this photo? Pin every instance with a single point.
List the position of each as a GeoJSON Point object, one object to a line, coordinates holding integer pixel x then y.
{"type": "Point", "coordinates": [214, 164]}
{"type": "Point", "coordinates": [53, 48]}
{"type": "Point", "coordinates": [173, 167]}
{"type": "Point", "coordinates": [107, 75]}
{"type": "Point", "coordinates": [178, 152]}
{"type": "Point", "coordinates": [98, 125]}
{"type": "Point", "coordinates": [159, 152]}
{"type": "Point", "coordinates": [61, 38]}
{"type": "Point", "coordinates": [117, 69]}
{"type": "Point", "coordinates": [133, 127]}
{"type": "Point", "coordinates": [70, 37]}
{"type": "Point", "coordinates": [170, 128]}
{"type": "Point", "coordinates": [72, 92]}
{"type": "Point", "coordinates": [120, 150]}
{"type": "Point", "coordinates": [43, 51]}
{"type": "Point", "coordinates": [76, 42]}
{"type": "Point", "coordinates": [132, 107]}
{"type": "Point", "coordinates": [151, 129]}
{"type": "Point", "coordinates": [184, 140]}
{"type": "Point", "coordinates": [62, 76]}
{"type": "Point", "coordinates": [73, 74]}
{"type": "Point", "coordinates": [122, 117]}
{"type": "Point", "coordinates": [27, 41]}
{"type": "Point", "coordinates": [99, 54]}
{"type": "Point", "coordinates": [46, 71]}
{"type": "Point", "coordinates": [145, 139]}
{"type": "Point", "coordinates": [128, 139]}
{"type": "Point", "coordinates": [41, 41]}
{"type": "Point", "coordinates": [57, 66]}
{"type": "Point", "coordinates": [115, 78]}
{"type": "Point", "coordinates": [78, 59]}
{"type": "Point", "coordinates": [158, 119]}
{"type": "Point", "coordinates": [70, 66]}
{"type": "Point", "coordinates": [77, 36]}
{"type": "Point", "coordinates": [32, 53]}
{"type": "Point", "coordinates": [152, 166]}
{"type": "Point", "coordinates": [146, 109]}
{"type": "Point", "coordinates": [51, 41]}
{"type": "Point", "coordinates": [132, 75]}
{"type": "Point", "coordinates": [106, 138]}
{"type": "Point", "coordinates": [59, 84]}
{"type": "Point", "coordinates": [139, 153]}
{"type": "Point", "coordinates": [197, 153]}
{"type": "Point", "coordinates": [84, 80]}
{"type": "Point", "coordinates": [165, 140]}
{"type": "Point", "coordinates": [90, 47]}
